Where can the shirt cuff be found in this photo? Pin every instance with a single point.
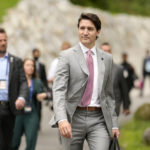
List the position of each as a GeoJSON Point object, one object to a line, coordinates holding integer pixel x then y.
{"type": "Point", "coordinates": [22, 98]}
{"type": "Point", "coordinates": [114, 128]}
{"type": "Point", "coordinates": [62, 120]}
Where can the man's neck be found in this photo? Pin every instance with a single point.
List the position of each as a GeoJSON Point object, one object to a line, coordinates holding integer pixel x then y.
{"type": "Point", "coordinates": [89, 46]}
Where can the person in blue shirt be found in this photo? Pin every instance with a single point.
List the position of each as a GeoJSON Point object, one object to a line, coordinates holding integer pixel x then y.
{"type": "Point", "coordinates": [13, 91]}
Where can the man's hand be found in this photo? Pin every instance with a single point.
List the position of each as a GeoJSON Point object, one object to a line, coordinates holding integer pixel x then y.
{"type": "Point", "coordinates": [116, 132]}
{"type": "Point", "coordinates": [65, 129]}
{"type": "Point", "coordinates": [19, 104]}
{"type": "Point", "coordinates": [126, 111]}
{"type": "Point", "coordinates": [40, 97]}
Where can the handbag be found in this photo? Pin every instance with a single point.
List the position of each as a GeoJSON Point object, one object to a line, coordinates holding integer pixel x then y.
{"type": "Point", "coordinates": [114, 144]}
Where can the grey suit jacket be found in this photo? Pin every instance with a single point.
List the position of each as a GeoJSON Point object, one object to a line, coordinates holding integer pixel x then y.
{"type": "Point", "coordinates": [120, 88]}
{"type": "Point", "coordinates": [70, 81]}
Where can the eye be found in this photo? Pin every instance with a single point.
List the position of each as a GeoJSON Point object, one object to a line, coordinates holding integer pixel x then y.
{"type": "Point", "coordinates": [82, 28]}
{"type": "Point", "coordinates": [90, 28]}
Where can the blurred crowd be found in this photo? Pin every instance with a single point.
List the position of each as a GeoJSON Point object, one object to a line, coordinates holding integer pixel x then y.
{"type": "Point", "coordinates": [28, 82]}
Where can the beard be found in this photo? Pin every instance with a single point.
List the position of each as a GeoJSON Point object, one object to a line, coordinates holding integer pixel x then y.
{"type": "Point", "coordinates": [2, 51]}
{"type": "Point", "coordinates": [36, 58]}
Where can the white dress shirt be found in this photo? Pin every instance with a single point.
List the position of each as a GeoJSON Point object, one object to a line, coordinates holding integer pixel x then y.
{"type": "Point", "coordinates": [94, 100]}
{"type": "Point", "coordinates": [52, 69]}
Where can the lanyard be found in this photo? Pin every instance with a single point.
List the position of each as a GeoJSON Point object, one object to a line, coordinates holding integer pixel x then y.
{"type": "Point", "coordinates": [31, 91]}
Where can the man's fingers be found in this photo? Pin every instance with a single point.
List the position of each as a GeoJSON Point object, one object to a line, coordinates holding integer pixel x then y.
{"type": "Point", "coordinates": [116, 132]}
{"type": "Point", "coordinates": [70, 132]}
{"type": "Point", "coordinates": [65, 129]}
{"type": "Point", "coordinates": [66, 132]}
{"type": "Point", "coordinates": [19, 104]}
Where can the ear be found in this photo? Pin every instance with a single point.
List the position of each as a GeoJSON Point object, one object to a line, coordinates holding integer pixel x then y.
{"type": "Point", "coordinates": [97, 35]}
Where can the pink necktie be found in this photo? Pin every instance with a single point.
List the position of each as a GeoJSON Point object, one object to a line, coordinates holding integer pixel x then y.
{"type": "Point", "coordinates": [86, 98]}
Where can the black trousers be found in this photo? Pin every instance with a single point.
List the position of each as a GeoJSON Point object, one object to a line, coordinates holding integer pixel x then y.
{"type": "Point", "coordinates": [6, 127]}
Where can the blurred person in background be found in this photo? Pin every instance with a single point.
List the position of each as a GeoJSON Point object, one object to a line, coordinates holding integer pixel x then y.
{"type": "Point", "coordinates": [128, 73]}
{"type": "Point", "coordinates": [65, 45]}
{"type": "Point", "coordinates": [41, 72]}
{"type": "Point", "coordinates": [119, 84]}
{"type": "Point", "coordinates": [13, 91]}
{"type": "Point", "coordinates": [145, 70]}
{"type": "Point", "coordinates": [28, 122]}
{"type": "Point", "coordinates": [40, 67]}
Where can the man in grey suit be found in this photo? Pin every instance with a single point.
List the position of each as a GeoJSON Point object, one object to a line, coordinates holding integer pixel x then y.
{"type": "Point", "coordinates": [84, 107]}
{"type": "Point", "coordinates": [119, 84]}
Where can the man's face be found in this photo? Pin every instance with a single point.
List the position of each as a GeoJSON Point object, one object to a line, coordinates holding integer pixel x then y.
{"type": "Point", "coordinates": [65, 46]}
{"type": "Point", "coordinates": [124, 58]}
{"type": "Point", "coordinates": [106, 48]}
{"type": "Point", "coordinates": [36, 54]}
{"type": "Point", "coordinates": [3, 43]}
{"type": "Point", "coordinates": [87, 33]}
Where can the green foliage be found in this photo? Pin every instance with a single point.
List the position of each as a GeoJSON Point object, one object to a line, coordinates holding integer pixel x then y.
{"type": "Point", "coordinates": [143, 113]}
{"type": "Point", "coordinates": [132, 134]}
{"type": "Point", "coordinates": [4, 5]}
{"type": "Point", "coordinates": [135, 7]}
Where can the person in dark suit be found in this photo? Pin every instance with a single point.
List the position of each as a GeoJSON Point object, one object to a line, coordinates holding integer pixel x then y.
{"type": "Point", "coordinates": [128, 73]}
{"type": "Point", "coordinates": [145, 70]}
{"type": "Point", "coordinates": [119, 84]}
{"type": "Point", "coordinates": [13, 91]}
{"type": "Point", "coordinates": [41, 72]}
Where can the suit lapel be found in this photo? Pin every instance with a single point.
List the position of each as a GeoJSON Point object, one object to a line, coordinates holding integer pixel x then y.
{"type": "Point", "coordinates": [101, 70]}
{"type": "Point", "coordinates": [101, 65]}
{"type": "Point", "coordinates": [11, 59]}
{"type": "Point", "coordinates": [80, 58]}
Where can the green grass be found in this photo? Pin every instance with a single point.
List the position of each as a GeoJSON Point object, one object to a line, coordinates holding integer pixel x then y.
{"type": "Point", "coordinates": [5, 5]}
{"type": "Point", "coordinates": [131, 135]}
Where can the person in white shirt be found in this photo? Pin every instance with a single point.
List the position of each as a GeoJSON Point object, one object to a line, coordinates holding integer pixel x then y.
{"type": "Point", "coordinates": [65, 45]}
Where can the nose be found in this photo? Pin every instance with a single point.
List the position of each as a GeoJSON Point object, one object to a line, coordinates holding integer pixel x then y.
{"type": "Point", "coordinates": [85, 31]}
{"type": "Point", "coordinates": [3, 42]}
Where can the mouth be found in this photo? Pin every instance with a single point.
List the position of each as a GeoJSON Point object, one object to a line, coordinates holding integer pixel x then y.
{"type": "Point", "coordinates": [85, 38]}
{"type": "Point", "coordinates": [3, 46]}
{"type": "Point", "coordinates": [2, 52]}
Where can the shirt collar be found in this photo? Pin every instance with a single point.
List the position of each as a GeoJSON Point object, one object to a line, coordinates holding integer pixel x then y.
{"type": "Point", "coordinates": [5, 56]}
{"type": "Point", "coordinates": [85, 49]}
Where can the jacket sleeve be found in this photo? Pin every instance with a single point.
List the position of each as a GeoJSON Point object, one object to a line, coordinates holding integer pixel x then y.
{"type": "Point", "coordinates": [60, 89]}
{"type": "Point", "coordinates": [43, 76]}
{"type": "Point", "coordinates": [110, 95]}
{"type": "Point", "coordinates": [39, 86]}
{"type": "Point", "coordinates": [23, 89]}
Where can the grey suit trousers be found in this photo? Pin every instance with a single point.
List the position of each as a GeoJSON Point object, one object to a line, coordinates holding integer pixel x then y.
{"type": "Point", "coordinates": [89, 126]}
